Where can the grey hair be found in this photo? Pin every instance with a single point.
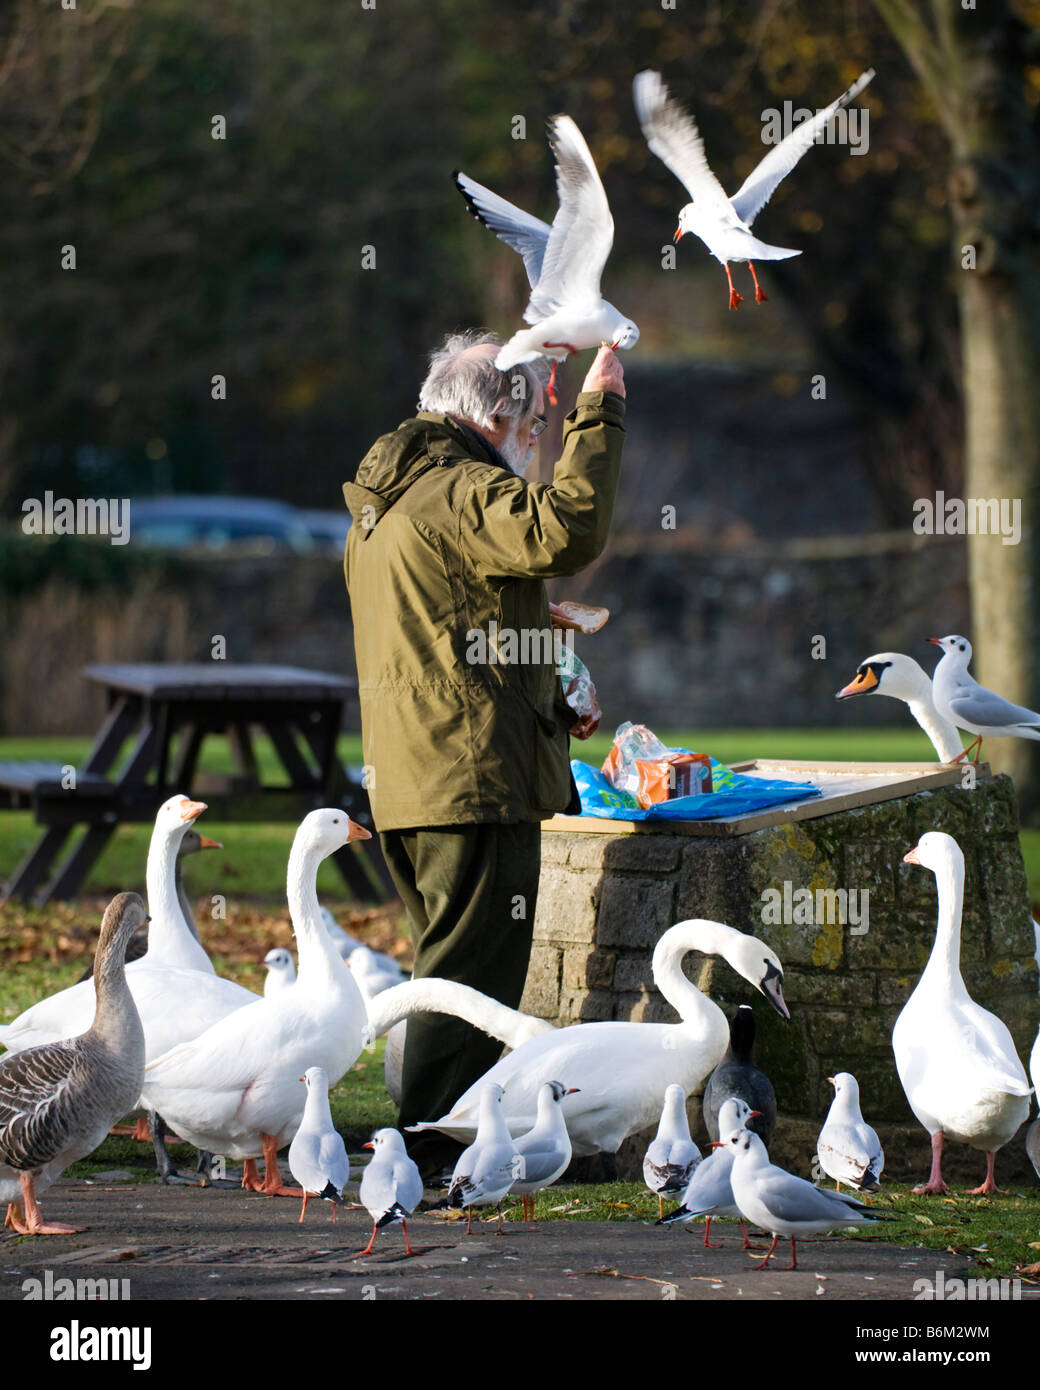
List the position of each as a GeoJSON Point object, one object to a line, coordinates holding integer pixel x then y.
{"type": "Point", "coordinates": [474, 388]}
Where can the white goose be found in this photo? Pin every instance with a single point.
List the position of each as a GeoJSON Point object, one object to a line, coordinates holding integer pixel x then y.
{"type": "Point", "coordinates": [956, 1061]}
{"type": "Point", "coordinates": [235, 1089]}
{"type": "Point", "coordinates": [621, 1069]}
{"type": "Point", "coordinates": [899, 676]}
{"type": "Point", "coordinates": [59, 1100]}
{"type": "Point", "coordinates": [174, 986]}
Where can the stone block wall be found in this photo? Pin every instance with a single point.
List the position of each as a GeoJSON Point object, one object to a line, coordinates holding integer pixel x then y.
{"type": "Point", "coordinates": [605, 900]}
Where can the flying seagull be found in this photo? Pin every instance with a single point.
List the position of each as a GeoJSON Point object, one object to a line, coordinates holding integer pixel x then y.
{"type": "Point", "coordinates": [722, 223]}
{"type": "Point", "coordinates": [564, 262]}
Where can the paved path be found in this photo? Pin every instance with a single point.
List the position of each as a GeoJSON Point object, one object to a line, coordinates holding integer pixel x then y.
{"type": "Point", "coordinates": [183, 1243]}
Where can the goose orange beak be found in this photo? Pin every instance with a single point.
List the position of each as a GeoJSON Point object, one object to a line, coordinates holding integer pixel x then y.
{"type": "Point", "coordinates": [191, 809]}
{"type": "Point", "coordinates": [206, 843]}
{"type": "Point", "coordinates": [358, 832]}
{"type": "Point", "coordinates": [913, 857]}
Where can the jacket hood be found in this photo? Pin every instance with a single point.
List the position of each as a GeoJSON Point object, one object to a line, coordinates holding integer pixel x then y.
{"type": "Point", "coordinates": [396, 460]}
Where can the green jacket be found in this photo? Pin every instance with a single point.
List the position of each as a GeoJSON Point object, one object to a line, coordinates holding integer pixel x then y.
{"type": "Point", "coordinates": [446, 541]}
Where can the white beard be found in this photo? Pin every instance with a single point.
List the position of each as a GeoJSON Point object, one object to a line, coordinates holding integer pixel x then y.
{"type": "Point", "coordinates": [510, 450]}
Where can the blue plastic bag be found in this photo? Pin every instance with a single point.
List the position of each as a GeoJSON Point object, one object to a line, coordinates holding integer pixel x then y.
{"type": "Point", "coordinates": [735, 794]}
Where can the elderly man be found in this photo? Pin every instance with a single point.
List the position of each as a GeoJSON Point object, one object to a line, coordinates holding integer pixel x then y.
{"type": "Point", "coordinates": [465, 757]}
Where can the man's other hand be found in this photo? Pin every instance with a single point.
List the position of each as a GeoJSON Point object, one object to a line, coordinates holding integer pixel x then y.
{"type": "Point", "coordinates": [606, 373]}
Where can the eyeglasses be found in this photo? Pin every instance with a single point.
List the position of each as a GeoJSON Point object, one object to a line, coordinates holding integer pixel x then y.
{"type": "Point", "coordinates": [538, 425]}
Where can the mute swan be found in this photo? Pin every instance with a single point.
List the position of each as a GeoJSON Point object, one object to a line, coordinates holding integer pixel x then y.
{"type": "Point", "coordinates": [390, 1012]}
{"type": "Point", "coordinates": [235, 1089]}
{"type": "Point", "coordinates": [956, 1061]}
{"type": "Point", "coordinates": [959, 698]}
{"type": "Point", "coordinates": [737, 1075]}
{"type": "Point", "coordinates": [391, 1187]}
{"type": "Point", "coordinates": [59, 1100]}
{"type": "Point", "coordinates": [672, 1155]}
{"type": "Point", "coordinates": [488, 1168]}
{"type": "Point", "coordinates": [621, 1069]}
{"type": "Point", "coordinates": [899, 676]}
{"type": "Point", "coordinates": [545, 1150]}
{"type": "Point", "coordinates": [771, 1197]}
{"type": "Point", "coordinates": [174, 986]}
{"type": "Point", "coordinates": [709, 1192]}
{"type": "Point", "coordinates": [848, 1149]}
{"type": "Point", "coordinates": [317, 1155]}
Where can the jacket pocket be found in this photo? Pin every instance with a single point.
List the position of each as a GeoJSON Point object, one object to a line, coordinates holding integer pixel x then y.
{"type": "Point", "coordinates": [552, 771]}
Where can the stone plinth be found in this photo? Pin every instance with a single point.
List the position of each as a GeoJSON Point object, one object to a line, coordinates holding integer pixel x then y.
{"type": "Point", "coordinates": [606, 898]}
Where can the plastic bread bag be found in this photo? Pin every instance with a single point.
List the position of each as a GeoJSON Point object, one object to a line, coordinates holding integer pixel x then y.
{"type": "Point", "coordinates": [578, 691]}
{"type": "Point", "coordinates": [641, 765]}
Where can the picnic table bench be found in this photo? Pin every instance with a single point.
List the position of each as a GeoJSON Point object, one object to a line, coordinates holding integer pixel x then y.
{"type": "Point", "coordinates": [168, 710]}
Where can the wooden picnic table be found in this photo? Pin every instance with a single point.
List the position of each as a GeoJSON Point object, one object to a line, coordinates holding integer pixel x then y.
{"type": "Point", "coordinates": [168, 710]}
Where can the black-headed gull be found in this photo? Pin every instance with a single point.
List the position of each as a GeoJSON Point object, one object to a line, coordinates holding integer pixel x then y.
{"type": "Point", "coordinates": [848, 1149]}
{"type": "Point", "coordinates": [708, 1192]}
{"type": "Point", "coordinates": [488, 1168]}
{"type": "Point", "coordinates": [737, 1075]}
{"type": "Point", "coordinates": [281, 971]}
{"type": "Point", "coordinates": [784, 1205]}
{"type": "Point", "coordinates": [900, 676]}
{"type": "Point", "coordinates": [960, 699]}
{"type": "Point", "coordinates": [544, 1150]}
{"type": "Point", "coordinates": [723, 223]}
{"type": "Point", "coordinates": [391, 1187]}
{"type": "Point", "coordinates": [672, 1155]}
{"type": "Point", "coordinates": [564, 262]}
{"type": "Point", "coordinates": [317, 1155]}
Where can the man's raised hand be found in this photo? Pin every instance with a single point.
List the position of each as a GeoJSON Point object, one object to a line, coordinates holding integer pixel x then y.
{"type": "Point", "coordinates": [606, 373]}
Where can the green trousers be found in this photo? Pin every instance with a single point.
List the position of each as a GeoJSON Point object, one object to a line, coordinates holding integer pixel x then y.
{"type": "Point", "coordinates": [470, 892]}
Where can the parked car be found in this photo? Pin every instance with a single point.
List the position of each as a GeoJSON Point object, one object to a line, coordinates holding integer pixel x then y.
{"type": "Point", "coordinates": [180, 522]}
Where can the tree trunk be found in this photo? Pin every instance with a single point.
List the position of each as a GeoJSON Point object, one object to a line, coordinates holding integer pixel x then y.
{"type": "Point", "coordinates": [972, 63]}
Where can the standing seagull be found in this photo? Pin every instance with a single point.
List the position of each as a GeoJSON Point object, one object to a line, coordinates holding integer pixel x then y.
{"type": "Point", "coordinates": [564, 262]}
{"type": "Point", "coordinates": [672, 1155]}
{"type": "Point", "coordinates": [848, 1149]}
{"type": "Point", "coordinates": [281, 972]}
{"type": "Point", "coordinates": [960, 699]}
{"type": "Point", "coordinates": [709, 1192]}
{"type": "Point", "coordinates": [783, 1204]}
{"type": "Point", "coordinates": [58, 1100]}
{"type": "Point", "coordinates": [488, 1168]}
{"type": "Point", "coordinates": [391, 1187]}
{"type": "Point", "coordinates": [722, 223]}
{"type": "Point", "coordinates": [317, 1156]}
{"type": "Point", "coordinates": [544, 1150]}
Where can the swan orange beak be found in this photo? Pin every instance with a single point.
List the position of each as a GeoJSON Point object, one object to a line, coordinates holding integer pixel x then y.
{"type": "Point", "coordinates": [191, 809]}
{"type": "Point", "coordinates": [913, 857]}
{"type": "Point", "coordinates": [864, 681]}
{"type": "Point", "coordinates": [358, 832]}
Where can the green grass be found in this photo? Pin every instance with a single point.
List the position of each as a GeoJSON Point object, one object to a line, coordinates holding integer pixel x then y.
{"type": "Point", "coordinates": [254, 858]}
{"type": "Point", "coordinates": [997, 1234]}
